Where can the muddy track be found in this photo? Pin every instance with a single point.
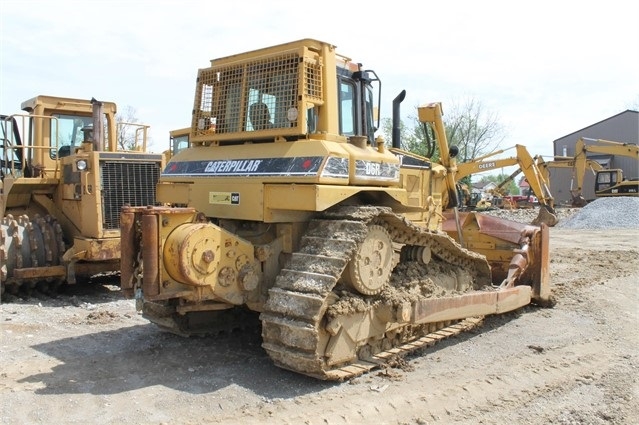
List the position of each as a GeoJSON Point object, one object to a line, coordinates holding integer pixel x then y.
{"type": "Point", "coordinates": [296, 331]}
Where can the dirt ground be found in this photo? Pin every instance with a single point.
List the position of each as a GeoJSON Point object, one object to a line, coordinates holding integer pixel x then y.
{"type": "Point", "coordinates": [87, 357]}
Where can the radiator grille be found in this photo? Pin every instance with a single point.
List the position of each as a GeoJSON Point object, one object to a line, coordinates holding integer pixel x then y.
{"type": "Point", "coordinates": [130, 183]}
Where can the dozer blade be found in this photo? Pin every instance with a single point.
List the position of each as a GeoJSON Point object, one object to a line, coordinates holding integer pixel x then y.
{"type": "Point", "coordinates": [518, 253]}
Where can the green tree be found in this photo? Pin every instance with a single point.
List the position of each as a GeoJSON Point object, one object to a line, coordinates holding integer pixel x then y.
{"type": "Point", "coordinates": [510, 188]}
{"type": "Point", "coordinates": [468, 124]}
{"type": "Point", "coordinates": [410, 137]}
{"type": "Point", "coordinates": [474, 129]}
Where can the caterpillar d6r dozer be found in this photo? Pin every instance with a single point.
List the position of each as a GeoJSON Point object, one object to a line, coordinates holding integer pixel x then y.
{"type": "Point", "coordinates": [63, 182]}
{"type": "Point", "coordinates": [286, 205]}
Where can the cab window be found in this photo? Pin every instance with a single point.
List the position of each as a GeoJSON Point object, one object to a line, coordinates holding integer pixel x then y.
{"type": "Point", "coordinates": [66, 133]}
{"type": "Point", "coordinates": [347, 108]}
{"type": "Point", "coordinates": [179, 143]}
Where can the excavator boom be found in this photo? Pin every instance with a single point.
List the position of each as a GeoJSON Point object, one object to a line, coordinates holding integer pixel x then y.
{"type": "Point", "coordinates": [578, 173]}
{"type": "Point", "coordinates": [527, 166]}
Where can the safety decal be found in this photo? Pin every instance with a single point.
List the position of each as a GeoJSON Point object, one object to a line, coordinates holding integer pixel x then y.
{"type": "Point", "coordinates": [224, 198]}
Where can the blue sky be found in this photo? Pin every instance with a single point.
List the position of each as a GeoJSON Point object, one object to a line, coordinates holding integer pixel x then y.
{"type": "Point", "coordinates": [545, 68]}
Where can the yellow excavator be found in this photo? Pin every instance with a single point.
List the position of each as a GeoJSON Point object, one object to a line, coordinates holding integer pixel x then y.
{"type": "Point", "coordinates": [578, 173]}
{"type": "Point", "coordinates": [285, 206]}
{"type": "Point", "coordinates": [527, 166]}
{"type": "Point", "coordinates": [608, 182]}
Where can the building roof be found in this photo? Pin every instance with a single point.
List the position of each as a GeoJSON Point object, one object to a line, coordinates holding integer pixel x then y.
{"type": "Point", "coordinates": [627, 111]}
{"type": "Point", "coordinates": [485, 185]}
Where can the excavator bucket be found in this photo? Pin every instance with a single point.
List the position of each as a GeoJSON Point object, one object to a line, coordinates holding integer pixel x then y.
{"type": "Point", "coordinates": [578, 201]}
{"type": "Point", "coordinates": [518, 254]}
{"type": "Point", "coordinates": [546, 217]}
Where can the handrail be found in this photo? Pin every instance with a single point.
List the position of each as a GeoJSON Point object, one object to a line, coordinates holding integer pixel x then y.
{"type": "Point", "coordinates": [140, 133]}
{"type": "Point", "coordinates": [26, 147]}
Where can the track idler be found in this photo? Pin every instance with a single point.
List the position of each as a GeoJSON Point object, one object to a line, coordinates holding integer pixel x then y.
{"type": "Point", "coordinates": [30, 253]}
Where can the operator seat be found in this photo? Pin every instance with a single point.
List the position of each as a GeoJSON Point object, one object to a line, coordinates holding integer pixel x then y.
{"type": "Point", "coordinates": [260, 116]}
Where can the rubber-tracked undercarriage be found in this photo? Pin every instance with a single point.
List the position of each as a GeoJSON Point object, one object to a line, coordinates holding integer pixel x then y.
{"type": "Point", "coordinates": [364, 285]}
{"type": "Point", "coordinates": [294, 210]}
{"type": "Point", "coordinates": [311, 328]}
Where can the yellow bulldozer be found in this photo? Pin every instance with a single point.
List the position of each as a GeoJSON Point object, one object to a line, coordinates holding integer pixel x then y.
{"type": "Point", "coordinates": [287, 207]}
{"type": "Point", "coordinates": [63, 182]}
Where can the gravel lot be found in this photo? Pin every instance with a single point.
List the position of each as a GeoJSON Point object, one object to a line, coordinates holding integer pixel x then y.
{"type": "Point", "coordinates": [87, 357]}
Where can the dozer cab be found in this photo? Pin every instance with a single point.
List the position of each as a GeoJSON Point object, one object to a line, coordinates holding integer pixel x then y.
{"type": "Point", "coordinates": [64, 181]}
{"type": "Point", "coordinates": [286, 205]}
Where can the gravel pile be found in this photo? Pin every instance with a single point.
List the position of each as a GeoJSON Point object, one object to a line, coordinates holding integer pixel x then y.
{"type": "Point", "coordinates": [527, 215]}
{"type": "Point", "coordinates": [605, 213]}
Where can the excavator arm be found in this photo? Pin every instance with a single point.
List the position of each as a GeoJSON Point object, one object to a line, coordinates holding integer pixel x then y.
{"type": "Point", "coordinates": [486, 163]}
{"type": "Point", "coordinates": [578, 170]}
{"type": "Point", "coordinates": [527, 166]}
{"type": "Point", "coordinates": [535, 179]}
{"type": "Point", "coordinates": [609, 147]}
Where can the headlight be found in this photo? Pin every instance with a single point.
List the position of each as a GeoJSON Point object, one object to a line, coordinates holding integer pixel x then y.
{"type": "Point", "coordinates": [81, 164]}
